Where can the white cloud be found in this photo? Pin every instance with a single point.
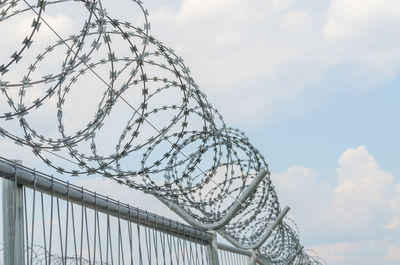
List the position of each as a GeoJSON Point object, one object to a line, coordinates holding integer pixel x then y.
{"type": "Point", "coordinates": [359, 252]}
{"type": "Point", "coordinates": [363, 189]}
{"type": "Point", "coordinates": [266, 55]}
{"type": "Point", "coordinates": [350, 218]}
{"type": "Point", "coordinates": [262, 56]}
{"type": "Point", "coordinates": [296, 22]}
{"type": "Point", "coordinates": [298, 188]}
{"type": "Point", "coordinates": [357, 218]}
{"type": "Point", "coordinates": [233, 47]}
{"type": "Point", "coordinates": [11, 151]}
{"type": "Point", "coordinates": [393, 253]}
{"type": "Point", "coordinates": [394, 223]}
{"type": "Point", "coordinates": [227, 38]}
{"type": "Point", "coordinates": [362, 21]}
{"type": "Point", "coordinates": [365, 32]}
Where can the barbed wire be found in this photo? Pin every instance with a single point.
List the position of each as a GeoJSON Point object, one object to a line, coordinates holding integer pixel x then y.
{"type": "Point", "coordinates": [165, 137]}
{"type": "Point", "coordinates": [41, 256]}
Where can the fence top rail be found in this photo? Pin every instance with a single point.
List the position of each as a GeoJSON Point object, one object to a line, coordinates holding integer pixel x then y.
{"type": "Point", "coordinates": [61, 189]}
{"type": "Point", "coordinates": [58, 188]}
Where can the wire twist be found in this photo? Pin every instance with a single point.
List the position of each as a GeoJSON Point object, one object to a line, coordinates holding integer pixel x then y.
{"type": "Point", "coordinates": [169, 140]}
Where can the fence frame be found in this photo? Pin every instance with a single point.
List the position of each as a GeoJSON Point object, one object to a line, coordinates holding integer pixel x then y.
{"type": "Point", "coordinates": [11, 171]}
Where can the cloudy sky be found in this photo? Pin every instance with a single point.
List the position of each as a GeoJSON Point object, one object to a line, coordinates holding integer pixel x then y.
{"type": "Point", "coordinates": [315, 85]}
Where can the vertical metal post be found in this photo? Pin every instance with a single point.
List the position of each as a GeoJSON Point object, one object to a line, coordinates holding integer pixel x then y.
{"type": "Point", "coordinates": [253, 258]}
{"type": "Point", "coordinates": [213, 251]}
{"type": "Point", "coordinates": [13, 222]}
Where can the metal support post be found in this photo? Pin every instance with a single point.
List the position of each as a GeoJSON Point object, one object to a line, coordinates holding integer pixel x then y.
{"type": "Point", "coordinates": [253, 258]}
{"type": "Point", "coordinates": [213, 250]}
{"type": "Point", "coordinates": [237, 205]}
{"type": "Point", "coordinates": [264, 237]}
{"type": "Point", "coordinates": [13, 222]}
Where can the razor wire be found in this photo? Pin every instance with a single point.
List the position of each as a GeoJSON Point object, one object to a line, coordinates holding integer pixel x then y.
{"type": "Point", "coordinates": [41, 256]}
{"type": "Point", "coordinates": [172, 143]}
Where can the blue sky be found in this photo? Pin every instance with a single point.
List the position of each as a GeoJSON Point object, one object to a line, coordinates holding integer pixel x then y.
{"type": "Point", "coordinates": [315, 85]}
{"type": "Point", "coordinates": [316, 138]}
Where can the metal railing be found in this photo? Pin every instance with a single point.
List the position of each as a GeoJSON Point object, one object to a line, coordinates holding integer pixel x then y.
{"type": "Point", "coordinates": [50, 221]}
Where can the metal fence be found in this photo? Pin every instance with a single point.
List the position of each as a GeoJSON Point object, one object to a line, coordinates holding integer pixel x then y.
{"type": "Point", "coordinates": [48, 221]}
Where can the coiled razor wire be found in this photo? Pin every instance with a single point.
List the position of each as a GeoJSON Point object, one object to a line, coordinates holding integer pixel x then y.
{"type": "Point", "coordinates": [153, 129]}
{"type": "Point", "coordinates": [40, 256]}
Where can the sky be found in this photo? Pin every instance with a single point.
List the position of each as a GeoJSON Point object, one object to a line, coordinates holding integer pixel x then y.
{"type": "Point", "coordinates": [314, 84]}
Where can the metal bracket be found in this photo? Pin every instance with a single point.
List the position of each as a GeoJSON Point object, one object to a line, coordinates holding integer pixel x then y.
{"type": "Point", "coordinates": [229, 215]}
{"type": "Point", "coordinates": [262, 239]}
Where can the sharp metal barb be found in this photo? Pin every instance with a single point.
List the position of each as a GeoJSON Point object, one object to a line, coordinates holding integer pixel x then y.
{"type": "Point", "coordinates": [171, 141]}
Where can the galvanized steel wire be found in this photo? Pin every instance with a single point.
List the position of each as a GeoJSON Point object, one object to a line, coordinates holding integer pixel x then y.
{"type": "Point", "coordinates": [62, 231]}
{"type": "Point", "coordinates": [174, 143]}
